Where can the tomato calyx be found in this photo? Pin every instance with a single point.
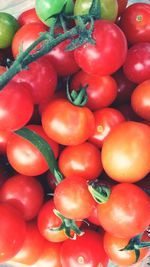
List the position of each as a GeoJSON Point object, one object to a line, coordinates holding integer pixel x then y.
{"type": "Point", "coordinates": [136, 244]}
{"type": "Point", "coordinates": [68, 225]}
{"type": "Point", "coordinates": [78, 98]}
{"type": "Point", "coordinates": [99, 192]}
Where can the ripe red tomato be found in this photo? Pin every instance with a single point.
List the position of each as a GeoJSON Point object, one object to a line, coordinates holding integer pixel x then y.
{"type": "Point", "coordinates": [25, 193]}
{"type": "Point", "coordinates": [32, 246]}
{"type": "Point", "coordinates": [122, 215]}
{"type": "Point", "coordinates": [24, 157]}
{"type": "Point", "coordinates": [101, 91]}
{"type": "Point", "coordinates": [12, 231]}
{"type": "Point", "coordinates": [4, 136]}
{"type": "Point", "coordinates": [113, 246]}
{"type": "Point", "coordinates": [135, 23]}
{"type": "Point", "coordinates": [125, 152]}
{"type": "Point", "coordinates": [109, 52]}
{"type": "Point", "coordinates": [86, 250]}
{"type": "Point", "coordinates": [28, 16]}
{"type": "Point", "coordinates": [105, 120]}
{"type": "Point", "coordinates": [140, 100]}
{"type": "Point", "coordinates": [81, 160]}
{"type": "Point", "coordinates": [67, 124]}
{"type": "Point", "coordinates": [72, 198]}
{"type": "Point", "coordinates": [137, 64]}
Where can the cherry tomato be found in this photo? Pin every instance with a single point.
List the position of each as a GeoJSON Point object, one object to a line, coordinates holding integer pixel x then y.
{"type": "Point", "coordinates": [101, 91]}
{"type": "Point", "coordinates": [122, 215]}
{"type": "Point", "coordinates": [140, 100]}
{"type": "Point", "coordinates": [12, 231]}
{"type": "Point", "coordinates": [25, 193]}
{"type": "Point", "coordinates": [81, 160]}
{"type": "Point", "coordinates": [135, 23]}
{"type": "Point", "coordinates": [24, 157]}
{"type": "Point", "coordinates": [125, 152]}
{"type": "Point", "coordinates": [67, 124]}
{"type": "Point", "coordinates": [109, 52]}
{"type": "Point", "coordinates": [28, 16]}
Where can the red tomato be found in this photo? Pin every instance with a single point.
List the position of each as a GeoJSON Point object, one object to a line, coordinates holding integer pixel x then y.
{"type": "Point", "coordinates": [25, 36]}
{"type": "Point", "coordinates": [12, 231]}
{"type": "Point", "coordinates": [24, 157]}
{"type": "Point", "coordinates": [72, 198]}
{"type": "Point", "coordinates": [105, 119]}
{"type": "Point", "coordinates": [4, 136]}
{"type": "Point", "coordinates": [32, 246]}
{"type": "Point", "coordinates": [109, 52]}
{"type": "Point", "coordinates": [43, 85]}
{"type": "Point", "coordinates": [25, 193]}
{"type": "Point", "coordinates": [135, 23]}
{"type": "Point", "coordinates": [113, 246]}
{"type": "Point", "coordinates": [121, 6]}
{"type": "Point", "coordinates": [28, 16]}
{"type": "Point", "coordinates": [67, 124]}
{"type": "Point", "coordinates": [122, 215]}
{"type": "Point", "coordinates": [81, 160]}
{"type": "Point", "coordinates": [13, 99]}
{"type": "Point", "coordinates": [137, 64]}
{"type": "Point", "coordinates": [125, 152]}
{"type": "Point", "coordinates": [101, 91]}
{"type": "Point", "coordinates": [140, 100]}
{"type": "Point", "coordinates": [86, 250]}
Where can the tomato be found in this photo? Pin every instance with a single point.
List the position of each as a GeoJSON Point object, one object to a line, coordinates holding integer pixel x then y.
{"type": "Point", "coordinates": [32, 246]}
{"type": "Point", "coordinates": [45, 9]}
{"type": "Point", "coordinates": [86, 250]}
{"type": "Point", "coordinates": [12, 231]}
{"type": "Point", "coordinates": [8, 28]}
{"type": "Point", "coordinates": [108, 8]}
{"type": "Point", "coordinates": [72, 198]}
{"type": "Point", "coordinates": [25, 36]}
{"type": "Point", "coordinates": [140, 100]}
{"type": "Point", "coordinates": [4, 136]}
{"type": "Point", "coordinates": [24, 157]}
{"type": "Point", "coordinates": [122, 215]}
{"type": "Point", "coordinates": [67, 124]}
{"type": "Point", "coordinates": [135, 23]}
{"type": "Point", "coordinates": [13, 99]}
{"type": "Point", "coordinates": [28, 16]}
{"type": "Point", "coordinates": [101, 91]}
{"type": "Point", "coordinates": [25, 193]}
{"type": "Point", "coordinates": [81, 160]}
{"type": "Point", "coordinates": [113, 246]}
{"type": "Point", "coordinates": [109, 52]}
{"type": "Point", "coordinates": [125, 152]}
{"type": "Point", "coordinates": [105, 119]}
{"type": "Point", "coordinates": [43, 85]}
{"type": "Point", "coordinates": [121, 6]}
{"type": "Point", "coordinates": [137, 64]}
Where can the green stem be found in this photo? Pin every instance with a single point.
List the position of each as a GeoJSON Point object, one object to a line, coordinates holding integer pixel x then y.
{"type": "Point", "coordinates": [100, 193]}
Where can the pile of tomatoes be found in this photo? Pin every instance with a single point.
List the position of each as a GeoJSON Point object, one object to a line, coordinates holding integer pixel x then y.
{"type": "Point", "coordinates": [74, 182]}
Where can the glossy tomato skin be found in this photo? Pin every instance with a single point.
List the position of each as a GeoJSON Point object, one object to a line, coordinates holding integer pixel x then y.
{"type": "Point", "coordinates": [28, 16]}
{"type": "Point", "coordinates": [82, 160]}
{"type": "Point", "coordinates": [67, 124]}
{"type": "Point", "coordinates": [86, 250]}
{"type": "Point", "coordinates": [122, 215]}
{"type": "Point", "coordinates": [25, 193]}
{"type": "Point", "coordinates": [101, 91]}
{"type": "Point", "coordinates": [105, 120]}
{"type": "Point", "coordinates": [109, 52]}
{"type": "Point", "coordinates": [135, 23]}
{"type": "Point", "coordinates": [137, 64]}
{"type": "Point", "coordinates": [125, 152]}
{"type": "Point", "coordinates": [43, 85]}
{"type": "Point", "coordinates": [72, 198]}
{"type": "Point", "coordinates": [24, 157]}
{"type": "Point", "coordinates": [32, 246]}
{"type": "Point", "coordinates": [13, 99]}
{"type": "Point", "coordinates": [113, 246]}
{"type": "Point", "coordinates": [140, 100]}
{"type": "Point", "coordinates": [12, 231]}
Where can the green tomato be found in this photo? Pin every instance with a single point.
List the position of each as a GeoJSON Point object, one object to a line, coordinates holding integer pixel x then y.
{"type": "Point", "coordinates": [8, 26]}
{"type": "Point", "coordinates": [108, 10]}
{"type": "Point", "coordinates": [48, 8]}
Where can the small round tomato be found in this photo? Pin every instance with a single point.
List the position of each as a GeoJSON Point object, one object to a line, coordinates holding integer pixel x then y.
{"type": "Point", "coordinates": [125, 152]}
{"type": "Point", "coordinates": [8, 28]}
{"type": "Point", "coordinates": [140, 100]}
{"type": "Point", "coordinates": [28, 16]}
